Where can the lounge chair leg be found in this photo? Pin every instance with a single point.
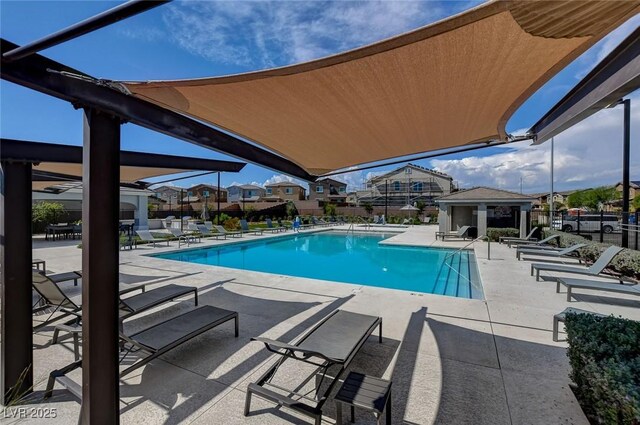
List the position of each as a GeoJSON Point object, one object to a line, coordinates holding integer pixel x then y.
{"type": "Point", "coordinates": [555, 329]}
{"type": "Point", "coordinates": [353, 414]}
{"type": "Point", "coordinates": [196, 296]}
{"type": "Point", "coordinates": [237, 326]}
{"type": "Point", "coordinates": [338, 413]}
{"type": "Point", "coordinates": [568, 294]}
{"type": "Point", "coordinates": [247, 403]}
{"type": "Point", "coordinates": [380, 334]}
{"type": "Point", "coordinates": [318, 420]}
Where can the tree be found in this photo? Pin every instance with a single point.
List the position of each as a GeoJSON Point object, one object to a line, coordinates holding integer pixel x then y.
{"type": "Point", "coordinates": [44, 213]}
{"type": "Point", "coordinates": [636, 203]}
{"type": "Point", "coordinates": [367, 207]}
{"type": "Point", "coordinates": [330, 209]}
{"type": "Point", "coordinates": [593, 198]}
{"type": "Point", "coordinates": [292, 211]}
{"type": "Point", "coordinates": [421, 205]}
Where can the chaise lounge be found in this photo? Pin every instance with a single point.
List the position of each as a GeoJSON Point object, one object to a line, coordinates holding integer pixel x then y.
{"type": "Point", "coordinates": [146, 236]}
{"type": "Point", "coordinates": [594, 270]}
{"type": "Point", "coordinates": [153, 341]}
{"type": "Point", "coordinates": [544, 243]}
{"type": "Point", "coordinates": [528, 238]}
{"type": "Point", "coordinates": [244, 226]}
{"type": "Point", "coordinates": [334, 341]}
{"type": "Point", "coordinates": [460, 233]}
{"type": "Point", "coordinates": [571, 283]}
{"type": "Point", "coordinates": [555, 253]}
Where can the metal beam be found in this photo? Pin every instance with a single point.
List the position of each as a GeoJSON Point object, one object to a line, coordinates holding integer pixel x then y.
{"type": "Point", "coordinates": [100, 255]}
{"type": "Point", "coordinates": [626, 150]}
{"type": "Point", "coordinates": [21, 150]}
{"type": "Point", "coordinates": [81, 90]}
{"type": "Point", "coordinates": [617, 75]}
{"type": "Point", "coordinates": [101, 20]}
{"type": "Point", "coordinates": [16, 355]}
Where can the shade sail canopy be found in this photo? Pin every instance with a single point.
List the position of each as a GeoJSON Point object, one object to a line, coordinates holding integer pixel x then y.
{"type": "Point", "coordinates": [448, 84]}
{"type": "Point", "coordinates": [54, 164]}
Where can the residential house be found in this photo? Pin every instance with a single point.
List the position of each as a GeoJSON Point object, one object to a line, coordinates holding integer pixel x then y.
{"type": "Point", "coordinates": [405, 185]}
{"type": "Point", "coordinates": [245, 193]}
{"type": "Point", "coordinates": [285, 191]}
{"type": "Point", "coordinates": [208, 192]}
{"type": "Point", "coordinates": [634, 188]}
{"type": "Point", "coordinates": [170, 195]}
{"type": "Point", "coordinates": [541, 199]}
{"type": "Point", "coordinates": [328, 190]}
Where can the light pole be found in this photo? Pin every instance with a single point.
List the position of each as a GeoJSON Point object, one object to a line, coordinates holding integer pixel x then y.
{"type": "Point", "coordinates": [218, 199]}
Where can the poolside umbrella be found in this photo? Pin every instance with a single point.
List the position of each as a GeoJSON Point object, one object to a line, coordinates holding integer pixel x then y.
{"type": "Point", "coordinates": [409, 207]}
{"type": "Point", "coordinates": [205, 213]}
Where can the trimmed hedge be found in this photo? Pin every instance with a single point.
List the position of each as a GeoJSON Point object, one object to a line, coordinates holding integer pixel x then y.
{"type": "Point", "coordinates": [627, 263]}
{"type": "Point", "coordinates": [495, 233]}
{"type": "Point", "coordinates": [604, 353]}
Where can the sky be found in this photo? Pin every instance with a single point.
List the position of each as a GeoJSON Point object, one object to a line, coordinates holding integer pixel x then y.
{"type": "Point", "coordinates": [189, 39]}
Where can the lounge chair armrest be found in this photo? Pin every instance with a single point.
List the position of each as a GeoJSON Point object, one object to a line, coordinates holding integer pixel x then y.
{"type": "Point", "coordinates": [274, 345]}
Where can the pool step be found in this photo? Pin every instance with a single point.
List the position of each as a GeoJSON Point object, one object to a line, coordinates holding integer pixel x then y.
{"type": "Point", "coordinates": [454, 277]}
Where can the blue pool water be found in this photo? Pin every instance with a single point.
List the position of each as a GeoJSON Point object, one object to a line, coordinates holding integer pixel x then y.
{"type": "Point", "coordinates": [351, 258]}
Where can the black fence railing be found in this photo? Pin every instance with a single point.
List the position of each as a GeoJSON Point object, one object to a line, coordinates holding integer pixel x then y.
{"type": "Point", "coordinates": [615, 228]}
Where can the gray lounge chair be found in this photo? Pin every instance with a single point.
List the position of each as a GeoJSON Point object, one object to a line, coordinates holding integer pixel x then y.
{"type": "Point", "coordinates": [543, 242]}
{"type": "Point", "coordinates": [146, 236]}
{"type": "Point", "coordinates": [204, 231]}
{"type": "Point", "coordinates": [594, 270]}
{"type": "Point", "coordinates": [560, 317]}
{"type": "Point", "coordinates": [334, 341]}
{"type": "Point", "coordinates": [460, 233]}
{"type": "Point", "coordinates": [52, 296]}
{"type": "Point", "coordinates": [273, 228]}
{"type": "Point", "coordinates": [232, 233]}
{"type": "Point", "coordinates": [555, 253]}
{"type": "Point", "coordinates": [154, 341]}
{"type": "Point", "coordinates": [527, 238]}
{"type": "Point", "coordinates": [571, 283]}
{"type": "Point", "coordinates": [187, 238]}
{"type": "Point", "coordinates": [244, 226]}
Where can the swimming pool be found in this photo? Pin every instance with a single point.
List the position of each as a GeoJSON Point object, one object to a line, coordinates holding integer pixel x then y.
{"type": "Point", "coordinates": [356, 258]}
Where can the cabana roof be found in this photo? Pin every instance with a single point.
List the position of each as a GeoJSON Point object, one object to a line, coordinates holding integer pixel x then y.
{"type": "Point", "coordinates": [449, 84]}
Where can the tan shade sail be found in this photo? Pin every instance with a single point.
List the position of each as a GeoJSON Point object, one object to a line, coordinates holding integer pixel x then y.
{"type": "Point", "coordinates": [448, 84]}
{"type": "Point", "coordinates": [128, 174]}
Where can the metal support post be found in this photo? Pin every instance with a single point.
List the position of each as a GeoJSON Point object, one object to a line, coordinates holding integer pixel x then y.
{"type": "Point", "coordinates": [100, 255]}
{"type": "Point", "coordinates": [16, 357]}
{"type": "Point", "coordinates": [626, 148]}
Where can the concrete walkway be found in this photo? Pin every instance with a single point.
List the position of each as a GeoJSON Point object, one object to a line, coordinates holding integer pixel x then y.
{"type": "Point", "coordinates": [452, 361]}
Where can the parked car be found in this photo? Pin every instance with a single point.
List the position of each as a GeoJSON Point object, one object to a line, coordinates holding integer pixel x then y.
{"type": "Point", "coordinates": [588, 223]}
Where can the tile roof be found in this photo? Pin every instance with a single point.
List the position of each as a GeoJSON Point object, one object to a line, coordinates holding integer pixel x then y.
{"type": "Point", "coordinates": [485, 193]}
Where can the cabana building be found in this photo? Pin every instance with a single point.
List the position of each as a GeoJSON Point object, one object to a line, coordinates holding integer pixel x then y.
{"type": "Point", "coordinates": [484, 207]}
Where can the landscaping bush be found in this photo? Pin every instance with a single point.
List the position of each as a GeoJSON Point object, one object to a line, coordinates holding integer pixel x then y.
{"type": "Point", "coordinates": [495, 233]}
{"type": "Point", "coordinates": [627, 263]}
{"type": "Point", "coordinates": [232, 223]}
{"type": "Point", "coordinates": [604, 353]}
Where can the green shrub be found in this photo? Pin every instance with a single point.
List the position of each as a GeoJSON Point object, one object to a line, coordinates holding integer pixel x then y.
{"type": "Point", "coordinates": [604, 354]}
{"type": "Point", "coordinates": [495, 233]}
{"type": "Point", "coordinates": [232, 223]}
{"type": "Point", "coordinates": [627, 263]}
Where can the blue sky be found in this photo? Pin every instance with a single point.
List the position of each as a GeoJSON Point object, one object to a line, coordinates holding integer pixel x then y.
{"type": "Point", "coordinates": [198, 39]}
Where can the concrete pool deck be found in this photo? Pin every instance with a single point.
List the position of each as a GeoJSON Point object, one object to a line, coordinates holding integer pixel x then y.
{"type": "Point", "coordinates": [452, 361]}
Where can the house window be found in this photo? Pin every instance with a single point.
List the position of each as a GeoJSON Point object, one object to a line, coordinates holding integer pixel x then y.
{"type": "Point", "coordinates": [288, 190]}
{"type": "Point", "coordinates": [342, 189]}
{"type": "Point", "coordinates": [407, 170]}
{"type": "Point", "coordinates": [189, 193]}
{"type": "Point", "coordinates": [205, 193]}
{"type": "Point", "coordinates": [269, 191]}
{"type": "Point", "coordinates": [396, 186]}
{"type": "Point", "coordinates": [417, 186]}
{"type": "Point", "coordinates": [319, 189]}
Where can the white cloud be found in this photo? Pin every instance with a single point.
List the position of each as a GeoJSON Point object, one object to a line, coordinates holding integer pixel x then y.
{"type": "Point", "coordinates": [586, 155]}
{"type": "Point", "coordinates": [592, 57]}
{"type": "Point", "coordinates": [274, 33]}
{"type": "Point", "coordinates": [279, 178]}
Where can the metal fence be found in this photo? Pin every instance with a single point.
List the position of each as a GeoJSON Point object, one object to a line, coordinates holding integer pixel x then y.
{"type": "Point", "coordinates": [615, 228]}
